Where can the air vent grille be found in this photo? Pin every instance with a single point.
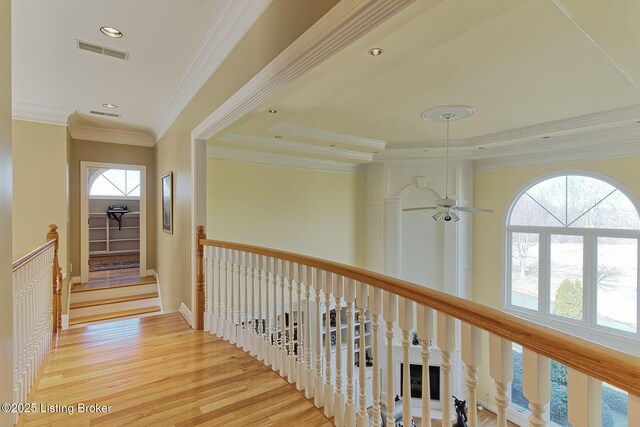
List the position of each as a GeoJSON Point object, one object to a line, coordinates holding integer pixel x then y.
{"type": "Point", "coordinates": [102, 50]}
{"type": "Point", "coordinates": [102, 113]}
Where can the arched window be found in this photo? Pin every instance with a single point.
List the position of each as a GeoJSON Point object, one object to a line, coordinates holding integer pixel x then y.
{"type": "Point", "coordinates": [117, 183]}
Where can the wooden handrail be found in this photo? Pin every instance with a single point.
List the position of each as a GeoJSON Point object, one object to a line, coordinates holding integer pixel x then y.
{"type": "Point", "coordinates": [611, 366]}
{"type": "Point", "coordinates": [22, 261]}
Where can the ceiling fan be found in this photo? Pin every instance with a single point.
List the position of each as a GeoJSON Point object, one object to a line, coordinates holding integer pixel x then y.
{"type": "Point", "coordinates": [446, 208]}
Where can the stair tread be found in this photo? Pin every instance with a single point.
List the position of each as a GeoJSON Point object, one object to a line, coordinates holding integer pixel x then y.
{"type": "Point", "coordinates": [113, 315]}
{"type": "Point", "coordinates": [113, 300]}
{"type": "Point", "coordinates": [148, 281]}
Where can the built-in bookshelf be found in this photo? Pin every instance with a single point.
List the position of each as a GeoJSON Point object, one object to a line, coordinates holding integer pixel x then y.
{"type": "Point", "coordinates": [106, 237]}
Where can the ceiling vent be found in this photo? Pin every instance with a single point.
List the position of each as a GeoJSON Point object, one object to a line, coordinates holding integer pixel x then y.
{"type": "Point", "coordinates": [101, 113]}
{"type": "Point", "coordinates": [102, 50]}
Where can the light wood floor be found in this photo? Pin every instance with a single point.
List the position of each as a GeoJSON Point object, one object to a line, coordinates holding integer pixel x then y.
{"type": "Point", "coordinates": [106, 278]}
{"type": "Point", "coordinates": [157, 371]}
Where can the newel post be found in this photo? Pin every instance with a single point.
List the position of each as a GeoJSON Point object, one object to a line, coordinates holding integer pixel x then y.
{"type": "Point", "coordinates": [200, 278]}
{"type": "Point", "coordinates": [56, 273]}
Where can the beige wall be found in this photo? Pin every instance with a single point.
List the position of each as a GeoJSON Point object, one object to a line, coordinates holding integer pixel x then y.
{"type": "Point", "coordinates": [280, 24]}
{"type": "Point", "coordinates": [6, 294]}
{"type": "Point", "coordinates": [91, 151]}
{"type": "Point", "coordinates": [310, 212]}
{"type": "Point", "coordinates": [39, 186]}
{"type": "Point", "coordinates": [496, 190]}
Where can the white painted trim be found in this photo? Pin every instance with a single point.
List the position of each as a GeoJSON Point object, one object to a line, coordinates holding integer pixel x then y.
{"type": "Point", "coordinates": [236, 18]}
{"type": "Point", "coordinates": [157, 278]}
{"type": "Point", "coordinates": [113, 136]}
{"type": "Point", "coordinates": [65, 322]}
{"type": "Point", "coordinates": [284, 160]}
{"type": "Point", "coordinates": [40, 113]}
{"type": "Point", "coordinates": [84, 214]}
{"type": "Point", "coordinates": [186, 314]}
{"type": "Point", "coordinates": [339, 27]}
{"type": "Point", "coordinates": [326, 135]}
{"type": "Point", "coordinates": [74, 280]}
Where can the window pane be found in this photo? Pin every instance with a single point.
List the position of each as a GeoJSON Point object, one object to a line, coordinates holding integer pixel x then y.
{"type": "Point", "coordinates": [524, 270]}
{"type": "Point", "coordinates": [566, 276]}
{"type": "Point", "coordinates": [133, 181]}
{"type": "Point", "coordinates": [117, 177]}
{"type": "Point", "coordinates": [584, 197]}
{"type": "Point", "coordinates": [102, 187]}
{"type": "Point", "coordinates": [551, 194]}
{"type": "Point", "coordinates": [517, 398]}
{"type": "Point", "coordinates": [614, 407]}
{"type": "Point", "coordinates": [527, 212]}
{"type": "Point", "coordinates": [618, 283]}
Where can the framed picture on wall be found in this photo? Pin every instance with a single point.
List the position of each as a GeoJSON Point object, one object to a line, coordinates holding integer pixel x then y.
{"type": "Point", "coordinates": [167, 203]}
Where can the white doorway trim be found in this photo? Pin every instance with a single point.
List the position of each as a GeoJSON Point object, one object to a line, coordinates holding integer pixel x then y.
{"type": "Point", "coordinates": [84, 214]}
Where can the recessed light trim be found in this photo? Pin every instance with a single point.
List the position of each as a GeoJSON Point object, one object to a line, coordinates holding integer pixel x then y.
{"type": "Point", "coordinates": [114, 33]}
{"type": "Point", "coordinates": [376, 51]}
{"type": "Point", "coordinates": [272, 110]}
{"type": "Point", "coordinates": [278, 137]}
{"type": "Point", "coordinates": [546, 137]}
{"type": "Point", "coordinates": [109, 105]}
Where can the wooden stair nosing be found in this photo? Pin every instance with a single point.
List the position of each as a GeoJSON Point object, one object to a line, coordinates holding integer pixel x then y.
{"type": "Point", "coordinates": [113, 300]}
{"type": "Point", "coordinates": [153, 282]}
{"type": "Point", "coordinates": [114, 315]}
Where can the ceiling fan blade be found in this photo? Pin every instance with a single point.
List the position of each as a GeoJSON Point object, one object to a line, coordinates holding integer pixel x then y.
{"type": "Point", "coordinates": [471, 210]}
{"type": "Point", "coordinates": [426, 208]}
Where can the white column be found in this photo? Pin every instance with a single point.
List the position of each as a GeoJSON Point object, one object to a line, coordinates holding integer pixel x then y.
{"type": "Point", "coordinates": [405, 321]}
{"type": "Point", "coordinates": [309, 386]}
{"type": "Point", "coordinates": [318, 386]}
{"type": "Point", "coordinates": [328, 386]}
{"type": "Point", "coordinates": [472, 357]}
{"type": "Point", "coordinates": [350, 406]}
{"type": "Point", "coordinates": [536, 385]}
{"type": "Point", "coordinates": [375, 306]}
{"type": "Point", "coordinates": [389, 312]}
{"type": "Point", "coordinates": [584, 399]}
{"type": "Point", "coordinates": [424, 326]}
{"type": "Point", "coordinates": [275, 353]}
{"type": "Point", "coordinates": [208, 289]}
{"type": "Point", "coordinates": [447, 344]}
{"type": "Point", "coordinates": [362, 302]}
{"type": "Point", "coordinates": [501, 370]}
{"type": "Point", "coordinates": [338, 291]}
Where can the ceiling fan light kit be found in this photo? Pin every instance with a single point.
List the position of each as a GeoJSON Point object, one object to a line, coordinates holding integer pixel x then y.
{"type": "Point", "coordinates": [446, 207]}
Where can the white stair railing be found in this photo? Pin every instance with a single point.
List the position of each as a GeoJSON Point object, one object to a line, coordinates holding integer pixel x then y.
{"type": "Point", "coordinates": [322, 319]}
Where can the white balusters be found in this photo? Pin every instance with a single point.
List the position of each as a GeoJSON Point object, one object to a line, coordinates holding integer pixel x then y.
{"type": "Point", "coordinates": [362, 301]}
{"type": "Point", "coordinates": [472, 357]}
{"type": "Point", "coordinates": [246, 345]}
{"type": "Point", "coordinates": [258, 282]}
{"type": "Point", "coordinates": [283, 320]}
{"type": "Point", "coordinates": [221, 305]}
{"type": "Point", "coordinates": [265, 261]}
{"type": "Point", "coordinates": [389, 314]}
{"type": "Point", "coordinates": [338, 290]}
{"type": "Point", "coordinates": [584, 398]}
{"type": "Point", "coordinates": [501, 370]}
{"type": "Point", "coordinates": [253, 335]}
{"type": "Point", "coordinates": [328, 387]}
{"type": "Point", "coordinates": [318, 386]}
{"type": "Point", "coordinates": [299, 346]}
{"type": "Point", "coordinates": [291, 360]}
{"type": "Point", "coordinates": [405, 321]}
{"type": "Point", "coordinates": [275, 354]}
{"type": "Point", "coordinates": [350, 406]}
{"type": "Point", "coordinates": [446, 344]}
{"type": "Point", "coordinates": [536, 385]}
{"type": "Point", "coordinates": [235, 279]}
{"type": "Point", "coordinates": [241, 309]}
{"type": "Point", "coordinates": [424, 326]}
{"type": "Point", "coordinates": [227, 293]}
{"type": "Point", "coordinates": [208, 289]}
{"type": "Point", "coordinates": [309, 386]}
{"type": "Point", "coordinates": [375, 307]}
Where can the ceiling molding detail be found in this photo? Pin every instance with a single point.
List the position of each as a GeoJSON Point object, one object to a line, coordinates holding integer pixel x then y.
{"type": "Point", "coordinates": [113, 136]}
{"type": "Point", "coordinates": [343, 24]}
{"type": "Point", "coordinates": [271, 159]}
{"type": "Point", "coordinates": [232, 24]}
{"type": "Point", "coordinates": [40, 113]}
{"type": "Point", "coordinates": [279, 144]}
{"type": "Point", "coordinates": [326, 135]}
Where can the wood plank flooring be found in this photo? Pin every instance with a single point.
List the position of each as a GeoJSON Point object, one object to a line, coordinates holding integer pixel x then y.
{"type": "Point", "coordinates": [108, 278]}
{"type": "Point", "coordinates": [156, 371]}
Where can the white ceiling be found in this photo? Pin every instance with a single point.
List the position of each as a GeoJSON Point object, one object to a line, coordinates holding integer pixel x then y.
{"type": "Point", "coordinates": [173, 49]}
{"type": "Point", "coordinates": [564, 69]}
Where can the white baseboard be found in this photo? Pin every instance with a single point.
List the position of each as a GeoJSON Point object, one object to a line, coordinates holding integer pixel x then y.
{"type": "Point", "coordinates": [186, 313]}
{"type": "Point", "coordinates": [155, 276]}
{"type": "Point", "coordinates": [74, 280]}
{"type": "Point", "coordinates": [65, 322]}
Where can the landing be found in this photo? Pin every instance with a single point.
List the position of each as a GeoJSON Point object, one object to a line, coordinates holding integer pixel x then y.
{"type": "Point", "coordinates": [158, 371]}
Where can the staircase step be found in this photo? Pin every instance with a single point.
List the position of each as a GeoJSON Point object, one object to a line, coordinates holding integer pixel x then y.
{"type": "Point", "coordinates": [142, 281]}
{"type": "Point", "coordinates": [114, 315]}
{"type": "Point", "coordinates": [112, 300]}
{"type": "Point", "coordinates": [98, 294]}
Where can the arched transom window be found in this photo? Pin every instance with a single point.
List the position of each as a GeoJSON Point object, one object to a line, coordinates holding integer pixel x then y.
{"type": "Point", "coordinates": [572, 253]}
{"type": "Point", "coordinates": [115, 183]}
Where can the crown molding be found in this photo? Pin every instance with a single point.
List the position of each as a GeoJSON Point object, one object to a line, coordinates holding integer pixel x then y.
{"type": "Point", "coordinates": [340, 26]}
{"type": "Point", "coordinates": [278, 144]}
{"type": "Point", "coordinates": [271, 159]}
{"type": "Point", "coordinates": [232, 24]}
{"type": "Point", "coordinates": [40, 113]}
{"type": "Point", "coordinates": [113, 136]}
{"type": "Point", "coordinates": [326, 135]}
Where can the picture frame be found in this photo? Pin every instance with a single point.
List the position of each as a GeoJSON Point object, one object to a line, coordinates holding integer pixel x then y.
{"type": "Point", "coordinates": [167, 202]}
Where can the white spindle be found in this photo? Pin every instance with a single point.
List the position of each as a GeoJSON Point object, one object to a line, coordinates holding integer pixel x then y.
{"type": "Point", "coordinates": [472, 357]}
{"type": "Point", "coordinates": [318, 386]}
{"type": "Point", "coordinates": [208, 290]}
{"type": "Point", "coordinates": [328, 386]}
{"type": "Point", "coordinates": [501, 370]}
{"type": "Point", "coordinates": [267, 334]}
{"type": "Point", "coordinates": [238, 306]}
{"type": "Point", "coordinates": [275, 353]}
{"type": "Point", "coordinates": [246, 345]}
{"type": "Point", "coordinates": [362, 301]}
{"type": "Point", "coordinates": [253, 335]}
{"type": "Point", "coordinates": [300, 344]}
{"type": "Point", "coordinates": [309, 386]}
{"type": "Point", "coordinates": [424, 326]}
{"type": "Point", "coordinates": [584, 398]}
{"type": "Point", "coordinates": [227, 293]}
{"type": "Point", "coordinates": [283, 319]}
{"type": "Point", "coordinates": [536, 385]}
{"type": "Point", "coordinates": [220, 269]}
{"type": "Point", "coordinates": [405, 321]}
{"type": "Point", "coordinates": [338, 290]}
{"type": "Point", "coordinates": [375, 307]}
{"type": "Point", "coordinates": [389, 313]}
{"type": "Point", "coordinates": [258, 310]}
{"type": "Point", "coordinates": [350, 406]}
{"type": "Point", "coordinates": [291, 360]}
{"type": "Point", "coordinates": [447, 344]}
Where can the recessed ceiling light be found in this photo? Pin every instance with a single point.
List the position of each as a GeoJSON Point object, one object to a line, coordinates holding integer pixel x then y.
{"type": "Point", "coordinates": [278, 137]}
{"type": "Point", "coordinates": [480, 148]}
{"type": "Point", "coordinates": [333, 146]}
{"type": "Point", "coordinates": [108, 105]}
{"type": "Point", "coordinates": [272, 110]}
{"type": "Point", "coordinates": [426, 151]}
{"type": "Point", "coordinates": [375, 152]}
{"type": "Point", "coordinates": [376, 51]}
{"type": "Point", "coordinates": [546, 137]}
{"type": "Point", "coordinates": [111, 32]}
